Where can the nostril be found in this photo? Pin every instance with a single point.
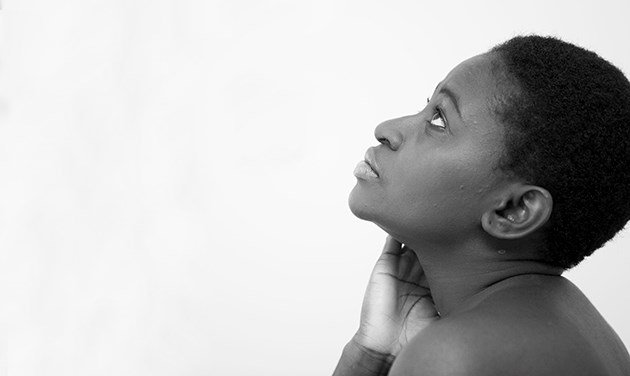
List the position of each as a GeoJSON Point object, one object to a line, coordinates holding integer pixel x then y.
{"type": "Point", "coordinates": [383, 141]}
{"type": "Point", "coordinates": [388, 134]}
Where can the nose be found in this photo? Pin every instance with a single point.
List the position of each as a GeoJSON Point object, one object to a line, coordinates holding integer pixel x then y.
{"type": "Point", "coordinates": [388, 134]}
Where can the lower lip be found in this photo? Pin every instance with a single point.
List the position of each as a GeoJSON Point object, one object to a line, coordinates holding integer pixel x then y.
{"type": "Point", "coordinates": [364, 171]}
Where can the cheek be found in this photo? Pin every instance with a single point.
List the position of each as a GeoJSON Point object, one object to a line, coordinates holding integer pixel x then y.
{"type": "Point", "coordinates": [448, 193]}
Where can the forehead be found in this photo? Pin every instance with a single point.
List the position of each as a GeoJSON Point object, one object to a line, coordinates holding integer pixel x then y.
{"type": "Point", "coordinates": [472, 77]}
{"type": "Point", "coordinates": [475, 85]}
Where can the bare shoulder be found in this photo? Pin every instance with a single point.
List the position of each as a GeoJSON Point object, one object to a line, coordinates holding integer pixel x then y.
{"type": "Point", "coordinates": [477, 346]}
{"type": "Point", "coordinates": [540, 328]}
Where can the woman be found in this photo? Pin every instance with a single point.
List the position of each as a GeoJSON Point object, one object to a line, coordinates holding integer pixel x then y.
{"type": "Point", "coordinates": [517, 169]}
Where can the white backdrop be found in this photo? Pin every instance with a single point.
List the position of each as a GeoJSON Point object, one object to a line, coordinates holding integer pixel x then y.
{"type": "Point", "coordinates": [176, 173]}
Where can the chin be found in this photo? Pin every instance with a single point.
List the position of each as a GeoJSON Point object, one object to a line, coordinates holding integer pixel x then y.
{"type": "Point", "coordinates": [367, 207]}
{"type": "Point", "coordinates": [372, 209]}
{"type": "Point", "coordinates": [366, 211]}
{"type": "Point", "coordinates": [361, 206]}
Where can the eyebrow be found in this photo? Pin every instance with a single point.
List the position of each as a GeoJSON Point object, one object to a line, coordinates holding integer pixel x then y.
{"type": "Point", "coordinates": [452, 96]}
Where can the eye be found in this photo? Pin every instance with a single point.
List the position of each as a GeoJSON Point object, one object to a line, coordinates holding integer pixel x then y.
{"type": "Point", "coordinates": [438, 120]}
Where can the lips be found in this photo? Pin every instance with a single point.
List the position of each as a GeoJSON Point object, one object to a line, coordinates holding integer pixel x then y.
{"type": "Point", "coordinates": [367, 169]}
{"type": "Point", "coordinates": [371, 160]}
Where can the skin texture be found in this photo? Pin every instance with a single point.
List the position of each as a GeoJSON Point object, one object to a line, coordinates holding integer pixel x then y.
{"type": "Point", "coordinates": [397, 303]}
{"type": "Point", "coordinates": [426, 172]}
{"type": "Point", "coordinates": [495, 308]}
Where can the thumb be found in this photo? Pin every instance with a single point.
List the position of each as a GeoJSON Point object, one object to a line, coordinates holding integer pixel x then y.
{"type": "Point", "coordinates": [392, 247]}
{"type": "Point", "coordinates": [390, 258]}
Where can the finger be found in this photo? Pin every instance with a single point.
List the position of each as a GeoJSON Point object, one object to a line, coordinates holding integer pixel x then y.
{"type": "Point", "coordinates": [388, 262]}
{"type": "Point", "coordinates": [392, 246]}
{"type": "Point", "coordinates": [406, 248]}
{"type": "Point", "coordinates": [415, 267]}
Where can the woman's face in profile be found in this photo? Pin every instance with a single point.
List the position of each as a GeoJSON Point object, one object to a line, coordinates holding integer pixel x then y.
{"type": "Point", "coordinates": [433, 172]}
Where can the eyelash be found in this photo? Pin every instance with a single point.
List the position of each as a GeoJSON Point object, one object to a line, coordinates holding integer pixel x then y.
{"type": "Point", "coordinates": [438, 111]}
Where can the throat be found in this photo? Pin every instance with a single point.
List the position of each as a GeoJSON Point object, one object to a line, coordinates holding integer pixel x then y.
{"type": "Point", "coordinates": [457, 284]}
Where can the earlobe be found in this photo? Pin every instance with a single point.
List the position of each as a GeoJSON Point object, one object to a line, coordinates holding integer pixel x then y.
{"type": "Point", "coordinates": [523, 211]}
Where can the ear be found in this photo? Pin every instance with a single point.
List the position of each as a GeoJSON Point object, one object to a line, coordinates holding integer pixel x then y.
{"type": "Point", "coordinates": [523, 210]}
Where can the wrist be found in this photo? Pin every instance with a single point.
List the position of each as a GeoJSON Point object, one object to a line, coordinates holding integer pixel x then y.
{"type": "Point", "coordinates": [369, 361]}
{"type": "Point", "coordinates": [359, 344]}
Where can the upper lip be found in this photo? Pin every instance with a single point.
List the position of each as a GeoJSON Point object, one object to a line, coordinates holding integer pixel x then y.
{"type": "Point", "coordinates": [370, 159]}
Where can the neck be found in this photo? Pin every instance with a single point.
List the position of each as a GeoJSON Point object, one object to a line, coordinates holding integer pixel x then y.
{"type": "Point", "coordinates": [459, 275]}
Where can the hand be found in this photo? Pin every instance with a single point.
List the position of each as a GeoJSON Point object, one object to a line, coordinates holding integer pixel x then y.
{"type": "Point", "coordinates": [397, 304]}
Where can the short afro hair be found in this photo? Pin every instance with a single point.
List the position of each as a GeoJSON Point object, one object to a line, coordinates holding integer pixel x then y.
{"type": "Point", "coordinates": [567, 117]}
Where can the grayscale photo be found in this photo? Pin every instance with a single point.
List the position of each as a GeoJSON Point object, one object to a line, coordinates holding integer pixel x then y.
{"type": "Point", "coordinates": [314, 187]}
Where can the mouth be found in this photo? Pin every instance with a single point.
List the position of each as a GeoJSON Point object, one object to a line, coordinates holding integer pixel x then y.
{"type": "Point", "coordinates": [370, 160]}
{"type": "Point", "coordinates": [367, 168]}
